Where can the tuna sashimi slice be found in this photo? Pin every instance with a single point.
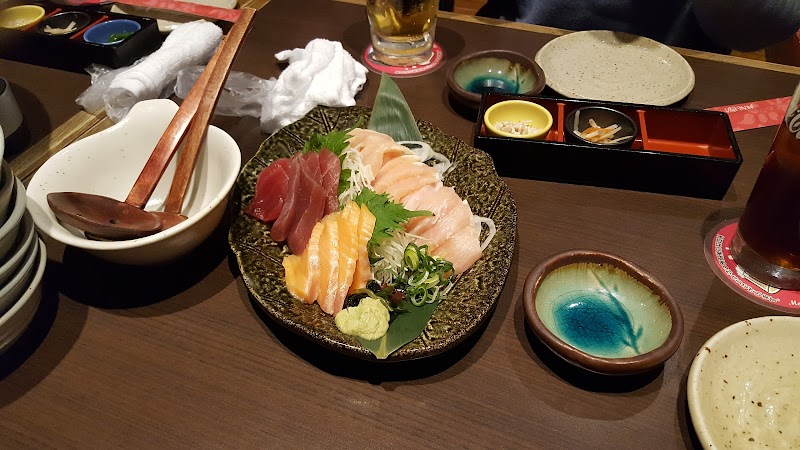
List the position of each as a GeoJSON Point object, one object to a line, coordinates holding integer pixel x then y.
{"type": "Point", "coordinates": [331, 169]}
{"type": "Point", "coordinates": [271, 191]}
{"type": "Point", "coordinates": [462, 249]}
{"type": "Point", "coordinates": [280, 229]}
{"type": "Point", "coordinates": [363, 272]}
{"type": "Point", "coordinates": [301, 231]}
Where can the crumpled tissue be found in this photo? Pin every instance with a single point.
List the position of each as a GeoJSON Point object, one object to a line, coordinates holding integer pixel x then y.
{"type": "Point", "coordinates": [190, 44]}
{"type": "Point", "coordinates": [322, 73]}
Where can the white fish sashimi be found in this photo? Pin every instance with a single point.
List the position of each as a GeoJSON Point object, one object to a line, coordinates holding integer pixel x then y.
{"type": "Point", "coordinates": [462, 249]}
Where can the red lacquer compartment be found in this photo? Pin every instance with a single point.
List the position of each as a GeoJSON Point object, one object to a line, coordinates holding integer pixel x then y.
{"type": "Point", "coordinates": [676, 131]}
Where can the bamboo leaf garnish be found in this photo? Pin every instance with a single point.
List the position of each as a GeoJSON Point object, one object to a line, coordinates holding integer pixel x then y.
{"type": "Point", "coordinates": [391, 114]}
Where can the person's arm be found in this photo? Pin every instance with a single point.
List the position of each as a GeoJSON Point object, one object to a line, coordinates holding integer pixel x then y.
{"type": "Point", "coordinates": [748, 25]}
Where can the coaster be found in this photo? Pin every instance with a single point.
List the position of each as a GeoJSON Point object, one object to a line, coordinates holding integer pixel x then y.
{"type": "Point", "coordinates": [717, 248]}
{"type": "Point", "coordinates": [423, 68]}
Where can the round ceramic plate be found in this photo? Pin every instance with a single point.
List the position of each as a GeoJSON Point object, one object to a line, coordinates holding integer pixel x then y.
{"type": "Point", "coordinates": [743, 389]}
{"type": "Point", "coordinates": [619, 67]}
{"type": "Point", "coordinates": [475, 292]}
{"type": "Point", "coordinates": [169, 20]}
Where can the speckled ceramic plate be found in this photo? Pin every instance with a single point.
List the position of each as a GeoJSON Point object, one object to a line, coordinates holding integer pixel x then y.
{"type": "Point", "coordinates": [475, 292]}
{"type": "Point", "coordinates": [743, 389]}
{"type": "Point", "coordinates": [612, 66]}
{"type": "Point", "coordinates": [166, 20]}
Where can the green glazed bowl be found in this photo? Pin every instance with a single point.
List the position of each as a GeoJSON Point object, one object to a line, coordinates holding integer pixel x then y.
{"type": "Point", "coordinates": [498, 71]}
{"type": "Point", "coordinates": [602, 313]}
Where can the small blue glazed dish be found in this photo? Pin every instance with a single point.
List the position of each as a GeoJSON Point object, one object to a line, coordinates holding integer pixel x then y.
{"type": "Point", "coordinates": [111, 32]}
{"type": "Point", "coordinates": [497, 71]}
{"type": "Point", "coordinates": [602, 313]}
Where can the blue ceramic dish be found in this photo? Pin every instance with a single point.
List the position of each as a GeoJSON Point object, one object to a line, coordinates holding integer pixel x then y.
{"type": "Point", "coordinates": [602, 313]}
{"type": "Point", "coordinates": [498, 71]}
{"type": "Point", "coordinates": [111, 32]}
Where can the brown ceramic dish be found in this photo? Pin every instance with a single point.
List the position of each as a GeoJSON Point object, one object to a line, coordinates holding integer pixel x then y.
{"type": "Point", "coordinates": [499, 71]}
{"type": "Point", "coordinates": [602, 313]}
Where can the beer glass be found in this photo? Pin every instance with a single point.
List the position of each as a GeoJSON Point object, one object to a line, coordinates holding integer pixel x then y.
{"type": "Point", "coordinates": [767, 240]}
{"type": "Point", "coordinates": [402, 31]}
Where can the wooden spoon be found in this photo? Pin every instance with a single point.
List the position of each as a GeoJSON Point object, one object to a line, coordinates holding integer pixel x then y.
{"type": "Point", "coordinates": [107, 218]}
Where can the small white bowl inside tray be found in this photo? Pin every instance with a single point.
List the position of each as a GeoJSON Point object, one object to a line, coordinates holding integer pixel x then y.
{"type": "Point", "coordinates": [744, 386]}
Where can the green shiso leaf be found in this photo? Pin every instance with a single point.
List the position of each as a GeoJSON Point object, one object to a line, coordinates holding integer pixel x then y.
{"type": "Point", "coordinates": [391, 114]}
{"type": "Point", "coordinates": [405, 327]}
{"type": "Point", "coordinates": [389, 216]}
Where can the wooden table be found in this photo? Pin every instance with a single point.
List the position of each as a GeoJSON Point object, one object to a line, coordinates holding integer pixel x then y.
{"type": "Point", "coordinates": [182, 357]}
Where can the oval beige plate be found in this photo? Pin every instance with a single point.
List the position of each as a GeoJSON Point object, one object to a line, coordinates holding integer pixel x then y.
{"type": "Point", "coordinates": [743, 388]}
{"type": "Point", "coordinates": [475, 292]}
{"type": "Point", "coordinates": [618, 67]}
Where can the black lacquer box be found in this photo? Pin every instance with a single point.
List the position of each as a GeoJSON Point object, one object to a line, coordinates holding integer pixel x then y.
{"type": "Point", "coordinates": [675, 151]}
{"type": "Point", "coordinates": [70, 51]}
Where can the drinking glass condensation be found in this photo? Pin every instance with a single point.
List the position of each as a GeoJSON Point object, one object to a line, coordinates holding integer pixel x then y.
{"type": "Point", "coordinates": [767, 241]}
{"type": "Point", "coordinates": [402, 31]}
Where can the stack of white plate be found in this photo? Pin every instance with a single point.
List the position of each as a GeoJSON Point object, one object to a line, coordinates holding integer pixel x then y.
{"type": "Point", "coordinates": [22, 260]}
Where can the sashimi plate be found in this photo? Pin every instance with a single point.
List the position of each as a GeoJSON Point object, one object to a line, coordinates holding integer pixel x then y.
{"type": "Point", "coordinates": [475, 292]}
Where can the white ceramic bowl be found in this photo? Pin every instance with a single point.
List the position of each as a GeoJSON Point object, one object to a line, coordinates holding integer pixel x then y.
{"type": "Point", "coordinates": [25, 239]}
{"type": "Point", "coordinates": [6, 188]}
{"type": "Point", "coordinates": [14, 321]}
{"type": "Point", "coordinates": [743, 388]}
{"type": "Point", "coordinates": [11, 291]}
{"type": "Point", "coordinates": [109, 162]}
{"type": "Point", "coordinates": [10, 228]}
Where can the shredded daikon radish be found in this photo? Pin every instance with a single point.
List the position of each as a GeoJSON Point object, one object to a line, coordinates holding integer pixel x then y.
{"type": "Point", "coordinates": [426, 153]}
{"type": "Point", "coordinates": [361, 175]}
{"type": "Point", "coordinates": [389, 254]}
{"type": "Point", "coordinates": [480, 221]}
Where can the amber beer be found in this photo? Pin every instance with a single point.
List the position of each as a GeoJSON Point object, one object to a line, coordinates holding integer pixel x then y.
{"type": "Point", "coordinates": [767, 242]}
{"type": "Point", "coordinates": [402, 30]}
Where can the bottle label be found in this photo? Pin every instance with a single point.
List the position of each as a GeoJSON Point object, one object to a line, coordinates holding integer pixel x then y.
{"type": "Point", "coordinates": [793, 114]}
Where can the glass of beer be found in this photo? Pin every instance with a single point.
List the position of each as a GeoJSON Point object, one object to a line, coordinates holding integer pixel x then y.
{"type": "Point", "coordinates": [402, 31]}
{"type": "Point", "coordinates": [767, 240]}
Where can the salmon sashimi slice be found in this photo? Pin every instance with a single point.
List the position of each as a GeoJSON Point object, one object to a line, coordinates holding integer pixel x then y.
{"type": "Point", "coordinates": [348, 252]}
{"type": "Point", "coordinates": [297, 282]}
{"type": "Point", "coordinates": [462, 249]}
{"type": "Point", "coordinates": [329, 264]}
{"type": "Point", "coordinates": [363, 271]}
{"type": "Point", "coordinates": [312, 263]}
{"type": "Point", "coordinates": [271, 191]}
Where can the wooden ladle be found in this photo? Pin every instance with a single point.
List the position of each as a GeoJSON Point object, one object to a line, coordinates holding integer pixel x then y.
{"type": "Point", "coordinates": [106, 218]}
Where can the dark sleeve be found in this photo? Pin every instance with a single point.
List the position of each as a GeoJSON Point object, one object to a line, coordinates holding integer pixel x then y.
{"type": "Point", "coordinates": [748, 25]}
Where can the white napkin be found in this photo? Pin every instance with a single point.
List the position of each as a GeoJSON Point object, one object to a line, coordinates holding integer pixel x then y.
{"type": "Point", "coordinates": [190, 44]}
{"type": "Point", "coordinates": [323, 73]}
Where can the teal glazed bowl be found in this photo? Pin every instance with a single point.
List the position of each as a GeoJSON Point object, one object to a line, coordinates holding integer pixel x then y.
{"type": "Point", "coordinates": [602, 313]}
{"type": "Point", "coordinates": [497, 71]}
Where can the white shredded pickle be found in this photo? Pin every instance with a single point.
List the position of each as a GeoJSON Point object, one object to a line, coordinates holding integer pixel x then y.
{"type": "Point", "coordinates": [361, 175]}
{"type": "Point", "coordinates": [426, 153]}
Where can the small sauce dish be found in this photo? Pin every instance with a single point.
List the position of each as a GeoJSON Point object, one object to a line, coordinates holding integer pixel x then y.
{"type": "Point", "coordinates": [111, 32]}
{"type": "Point", "coordinates": [63, 24]}
{"type": "Point", "coordinates": [22, 16]}
{"type": "Point", "coordinates": [497, 71]}
{"type": "Point", "coordinates": [602, 313]}
{"type": "Point", "coordinates": [499, 117]}
{"type": "Point", "coordinates": [605, 118]}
